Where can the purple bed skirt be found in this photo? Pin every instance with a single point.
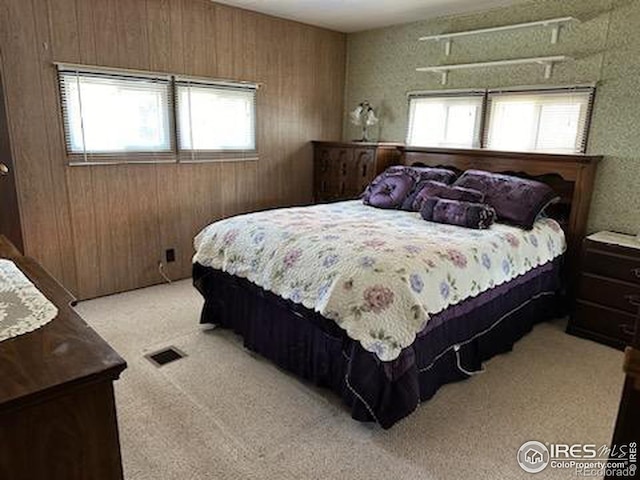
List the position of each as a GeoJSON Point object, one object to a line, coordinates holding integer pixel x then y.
{"type": "Point", "coordinates": [452, 346]}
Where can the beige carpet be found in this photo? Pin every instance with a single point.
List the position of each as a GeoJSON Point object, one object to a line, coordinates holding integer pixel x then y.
{"type": "Point", "coordinates": [223, 413]}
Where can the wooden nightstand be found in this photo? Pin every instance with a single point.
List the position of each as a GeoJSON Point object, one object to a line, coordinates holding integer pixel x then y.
{"type": "Point", "coordinates": [609, 274]}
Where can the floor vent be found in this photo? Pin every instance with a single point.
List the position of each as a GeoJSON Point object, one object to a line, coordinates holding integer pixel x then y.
{"type": "Point", "coordinates": [164, 356]}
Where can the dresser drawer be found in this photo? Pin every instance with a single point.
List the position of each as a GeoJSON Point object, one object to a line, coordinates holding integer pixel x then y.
{"type": "Point", "coordinates": [364, 167]}
{"type": "Point", "coordinates": [620, 267]}
{"type": "Point", "coordinates": [608, 324]}
{"type": "Point", "coordinates": [330, 173]}
{"type": "Point", "coordinates": [607, 292]}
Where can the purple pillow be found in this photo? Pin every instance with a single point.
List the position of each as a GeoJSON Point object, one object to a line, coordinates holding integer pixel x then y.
{"type": "Point", "coordinates": [419, 174]}
{"type": "Point", "coordinates": [423, 174]}
{"type": "Point", "coordinates": [440, 190]}
{"type": "Point", "coordinates": [517, 201]}
{"type": "Point", "coordinates": [457, 212]}
{"type": "Point", "coordinates": [390, 192]}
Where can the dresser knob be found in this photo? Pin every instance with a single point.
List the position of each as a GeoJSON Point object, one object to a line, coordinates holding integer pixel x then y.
{"type": "Point", "coordinates": [633, 299]}
{"type": "Point", "coordinates": [628, 330]}
{"type": "Point", "coordinates": [636, 272]}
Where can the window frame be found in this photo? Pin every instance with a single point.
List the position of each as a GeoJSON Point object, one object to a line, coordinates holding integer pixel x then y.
{"type": "Point", "coordinates": [590, 90]}
{"type": "Point", "coordinates": [478, 133]}
{"type": "Point", "coordinates": [485, 125]}
{"type": "Point", "coordinates": [175, 154]}
{"type": "Point", "coordinates": [185, 155]}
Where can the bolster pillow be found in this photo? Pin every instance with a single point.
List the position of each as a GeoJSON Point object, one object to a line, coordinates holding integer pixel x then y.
{"type": "Point", "coordinates": [457, 212]}
{"type": "Point", "coordinates": [436, 189]}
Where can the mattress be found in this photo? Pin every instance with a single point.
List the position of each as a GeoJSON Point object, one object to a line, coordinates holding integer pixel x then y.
{"type": "Point", "coordinates": [380, 275]}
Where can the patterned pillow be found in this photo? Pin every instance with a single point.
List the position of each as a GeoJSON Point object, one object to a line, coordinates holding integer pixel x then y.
{"type": "Point", "coordinates": [431, 173]}
{"type": "Point", "coordinates": [457, 212]}
{"type": "Point", "coordinates": [430, 188]}
{"type": "Point", "coordinates": [517, 201]}
{"type": "Point", "coordinates": [390, 191]}
{"type": "Point", "coordinates": [419, 174]}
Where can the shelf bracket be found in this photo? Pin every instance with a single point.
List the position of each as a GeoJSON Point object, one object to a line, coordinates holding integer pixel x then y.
{"type": "Point", "coordinates": [547, 62]}
{"type": "Point", "coordinates": [555, 33]}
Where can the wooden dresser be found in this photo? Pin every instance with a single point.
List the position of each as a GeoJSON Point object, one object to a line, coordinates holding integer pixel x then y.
{"type": "Point", "coordinates": [342, 170]}
{"type": "Point", "coordinates": [609, 275]}
{"type": "Point", "coordinates": [57, 409]}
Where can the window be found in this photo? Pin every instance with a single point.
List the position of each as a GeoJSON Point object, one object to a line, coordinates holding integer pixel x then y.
{"type": "Point", "coordinates": [215, 120]}
{"type": "Point", "coordinates": [113, 116]}
{"type": "Point", "coordinates": [106, 114]}
{"type": "Point", "coordinates": [445, 120]}
{"type": "Point", "coordinates": [541, 119]}
{"type": "Point", "coordinates": [553, 121]}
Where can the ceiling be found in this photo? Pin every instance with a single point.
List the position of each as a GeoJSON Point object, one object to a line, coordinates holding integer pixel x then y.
{"type": "Point", "coordinates": [356, 15]}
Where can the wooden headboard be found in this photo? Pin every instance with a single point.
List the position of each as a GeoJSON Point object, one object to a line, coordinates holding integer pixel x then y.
{"type": "Point", "coordinates": [571, 176]}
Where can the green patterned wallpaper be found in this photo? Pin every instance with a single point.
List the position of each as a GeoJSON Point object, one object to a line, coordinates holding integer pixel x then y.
{"type": "Point", "coordinates": [605, 46]}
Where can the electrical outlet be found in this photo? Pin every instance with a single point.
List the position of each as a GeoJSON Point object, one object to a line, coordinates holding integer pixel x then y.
{"type": "Point", "coordinates": [170, 255]}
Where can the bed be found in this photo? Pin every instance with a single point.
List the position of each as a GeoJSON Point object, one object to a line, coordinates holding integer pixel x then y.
{"type": "Point", "coordinates": [382, 307]}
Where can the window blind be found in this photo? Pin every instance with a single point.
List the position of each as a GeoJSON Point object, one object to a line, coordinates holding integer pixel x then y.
{"type": "Point", "coordinates": [445, 119]}
{"type": "Point", "coordinates": [215, 120]}
{"type": "Point", "coordinates": [114, 116]}
{"type": "Point", "coordinates": [551, 120]}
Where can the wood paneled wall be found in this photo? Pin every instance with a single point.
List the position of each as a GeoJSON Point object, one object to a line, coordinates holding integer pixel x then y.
{"type": "Point", "coordinates": [103, 229]}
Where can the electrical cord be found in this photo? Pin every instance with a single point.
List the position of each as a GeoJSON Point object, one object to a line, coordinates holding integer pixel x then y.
{"type": "Point", "coordinates": [163, 273]}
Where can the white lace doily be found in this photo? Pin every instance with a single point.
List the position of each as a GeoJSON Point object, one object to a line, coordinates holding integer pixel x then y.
{"type": "Point", "coordinates": [22, 307]}
{"type": "Point", "coordinates": [620, 239]}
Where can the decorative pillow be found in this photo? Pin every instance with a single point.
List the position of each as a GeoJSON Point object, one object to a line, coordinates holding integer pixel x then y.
{"type": "Point", "coordinates": [419, 174]}
{"type": "Point", "coordinates": [457, 212]}
{"type": "Point", "coordinates": [430, 188]}
{"type": "Point", "coordinates": [517, 201]}
{"type": "Point", "coordinates": [390, 191]}
{"type": "Point", "coordinates": [422, 174]}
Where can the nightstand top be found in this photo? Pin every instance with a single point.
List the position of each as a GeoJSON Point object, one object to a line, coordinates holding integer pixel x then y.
{"type": "Point", "coordinates": [614, 238]}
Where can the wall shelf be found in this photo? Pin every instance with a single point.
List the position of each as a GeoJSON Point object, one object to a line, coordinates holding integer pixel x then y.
{"type": "Point", "coordinates": [554, 23]}
{"type": "Point", "coordinates": [547, 62]}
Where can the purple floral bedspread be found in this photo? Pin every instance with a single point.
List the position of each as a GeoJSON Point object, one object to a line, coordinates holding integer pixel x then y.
{"type": "Point", "coordinates": [379, 274]}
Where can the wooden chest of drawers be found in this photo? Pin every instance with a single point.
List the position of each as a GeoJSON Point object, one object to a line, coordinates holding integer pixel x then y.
{"type": "Point", "coordinates": [57, 406]}
{"type": "Point", "coordinates": [609, 274]}
{"type": "Point", "coordinates": [342, 170]}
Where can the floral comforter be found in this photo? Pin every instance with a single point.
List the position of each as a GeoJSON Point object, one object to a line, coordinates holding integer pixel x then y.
{"type": "Point", "coordinates": [379, 274]}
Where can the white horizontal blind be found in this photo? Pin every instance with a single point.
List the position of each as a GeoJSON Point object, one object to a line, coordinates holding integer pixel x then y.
{"type": "Point", "coordinates": [445, 120]}
{"type": "Point", "coordinates": [554, 120]}
{"type": "Point", "coordinates": [215, 121]}
{"type": "Point", "coordinates": [111, 117]}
